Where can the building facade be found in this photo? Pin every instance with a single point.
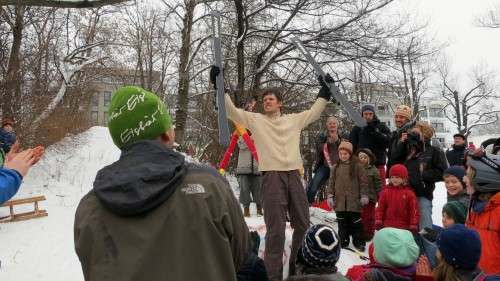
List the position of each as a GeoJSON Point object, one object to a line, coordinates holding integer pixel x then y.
{"type": "Point", "coordinates": [111, 80]}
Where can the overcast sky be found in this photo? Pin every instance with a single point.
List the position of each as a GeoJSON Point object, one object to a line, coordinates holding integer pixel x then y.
{"type": "Point", "coordinates": [453, 21]}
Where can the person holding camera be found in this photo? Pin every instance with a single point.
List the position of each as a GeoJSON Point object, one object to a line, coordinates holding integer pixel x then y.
{"type": "Point", "coordinates": [398, 152]}
{"type": "Point", "coordinates": [425, 167]}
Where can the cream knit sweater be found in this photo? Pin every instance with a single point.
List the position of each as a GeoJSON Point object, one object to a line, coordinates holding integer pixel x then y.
{"type": "Point", "coordinates": [276, 138]}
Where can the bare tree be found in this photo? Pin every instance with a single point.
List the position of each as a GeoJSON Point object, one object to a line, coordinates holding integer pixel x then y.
{"type": "Point", "coordinates": [62, 3]}
{"type": "Point", "coordinates": [471, 107]}
{"type": "Point", "coordinates": [11, 88]}
{"type": "Point", "coordinates": [490, 19]}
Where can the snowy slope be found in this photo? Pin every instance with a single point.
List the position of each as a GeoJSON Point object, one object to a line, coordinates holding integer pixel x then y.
{"type": "Point", "coordinates": [42, 249]}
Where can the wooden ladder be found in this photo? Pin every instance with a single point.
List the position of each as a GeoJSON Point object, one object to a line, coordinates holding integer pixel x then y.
{"type": "Point", "coordinates": [37, 213]}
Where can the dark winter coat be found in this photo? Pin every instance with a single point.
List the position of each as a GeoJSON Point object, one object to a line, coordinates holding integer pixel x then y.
{"type": "Point", "coordinates": [348, 183]}
{"type": "Point", "coordinates": [374, 182]}
{"type": "Point", "coordinates": [425, 169]}
{"type": "Point", "coordinates": [456, 155]}
{"type": "Point", "coordinates": [332, 151]}
{"type": "Point", "coordinates": [397, 152]}
{"type": "Point", "coordinates": [397, 207]}
{"type": "Point", "coordinates": [10, 180]}
{"type": "Point", "coordinates": [246, 163]}
{"type": "Point", "coordinates": [376, 136]}
{"type": "Point", "coordinates": [151, 216]}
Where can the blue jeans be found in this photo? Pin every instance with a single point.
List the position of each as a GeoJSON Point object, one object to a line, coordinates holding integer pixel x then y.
{"type": "Point", "coordinates": [425, 209]}
{"type": "Point", "coordinates": [319, 179]}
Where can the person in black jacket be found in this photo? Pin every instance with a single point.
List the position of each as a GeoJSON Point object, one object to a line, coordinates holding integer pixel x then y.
{"type": "Point", "coordinates": [456, 155]}
{"type": "Point", "coordinates": [398, 152]}
{"type": "Point", "coordinates": [425, 167]}
{"type": "Point", "coordinates": [326, 146]}
{"type": "Point", "coordinates": [375, 136]}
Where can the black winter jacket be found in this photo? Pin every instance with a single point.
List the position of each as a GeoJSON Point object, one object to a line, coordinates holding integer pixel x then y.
{"type": "Point", "coordinates": [456, 156]}
{"type": "Point", "coordinates": [376, 136]}
{"type": "Point", "coordinates": [398, 151]}
{"type": "Point", "coordinates": [425, 169]}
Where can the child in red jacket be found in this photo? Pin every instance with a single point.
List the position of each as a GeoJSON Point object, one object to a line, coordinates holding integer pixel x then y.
{"type": "Point", "coordinates": [397, 203]}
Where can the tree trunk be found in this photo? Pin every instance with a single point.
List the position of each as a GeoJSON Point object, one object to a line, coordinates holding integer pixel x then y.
{"type": "Point", "coordinates": [457, 111]}
{"type": "Point", "coordinates": [183, 88]}
{"type": "Point", "coordinates": [12, 86]}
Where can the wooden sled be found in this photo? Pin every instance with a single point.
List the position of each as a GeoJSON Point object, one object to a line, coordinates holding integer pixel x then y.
{"type": "Point", "coordinates": [37, 213]}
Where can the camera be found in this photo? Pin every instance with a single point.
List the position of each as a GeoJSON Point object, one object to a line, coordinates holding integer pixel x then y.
{"type": "Point", "coordinates": [415, 141]}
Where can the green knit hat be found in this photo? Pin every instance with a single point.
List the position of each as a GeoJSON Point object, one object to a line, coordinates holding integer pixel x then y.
{"type": "Point", "coordinates": [456, 210]}
{"type": "Point", "coordinates": [136, 114]}
{"type": "Point", "coordinates": [395, 247]}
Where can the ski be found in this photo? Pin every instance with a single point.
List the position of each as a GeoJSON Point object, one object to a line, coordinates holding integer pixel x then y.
{"type": "Point", "coordinates": [346, 105]}
{"type": "Point", "coordinates": [221, 107]}
{"type": "Point", "coordinates": [358, 253]}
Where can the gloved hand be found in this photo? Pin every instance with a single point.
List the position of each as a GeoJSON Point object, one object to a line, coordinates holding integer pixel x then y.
{"type": "Point", "coordinates": [430, 234]}
{"type": "Point", "coordinates": [214, 72]}
{"type": "Point", "coordinates": [331, 201]}
{"type": "Point", "coordinates": [378, 225]}
{"type": "Point", "coordinates": [324, 92]}
{"type": "Point", "coordinates": [364, 200]}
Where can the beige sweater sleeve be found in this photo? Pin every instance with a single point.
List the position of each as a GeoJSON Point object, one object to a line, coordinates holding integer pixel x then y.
{"type": "Point", "coordinates": [237, 115]}
{"type": "Point", "coordinates": [306, 117]}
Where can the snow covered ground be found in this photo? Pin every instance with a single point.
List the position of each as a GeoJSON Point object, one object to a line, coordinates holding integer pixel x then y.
{"type": "Point", "coordinates": [42, 249]}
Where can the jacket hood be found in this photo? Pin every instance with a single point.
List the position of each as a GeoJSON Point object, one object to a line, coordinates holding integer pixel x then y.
{"type": "Point", "coordinates": [145, 176]}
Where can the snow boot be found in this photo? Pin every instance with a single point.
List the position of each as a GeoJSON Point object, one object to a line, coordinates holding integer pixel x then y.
{"type": "Point", "coordinates": [246, 212]}
{"type": "Point", "coordinates": [259, 212]}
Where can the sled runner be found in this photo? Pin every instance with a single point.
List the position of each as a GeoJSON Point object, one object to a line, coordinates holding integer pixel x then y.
{"type": "Point", "coordinates": [37, 213]}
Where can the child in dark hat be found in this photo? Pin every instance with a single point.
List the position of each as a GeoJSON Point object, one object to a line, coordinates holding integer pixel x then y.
{"type": "Point", "coordinates": [7, 138]}
{"type": "Point", "coordinates": [367, 158]}
{"type": "Point", "coordinates": [454, 212]}
{"type": "Point", "coordinates": [318, 254]}
{"type": "Point", "coordinates": [459, 251]}
{"type": "Point", "coordinates": [455, 186]}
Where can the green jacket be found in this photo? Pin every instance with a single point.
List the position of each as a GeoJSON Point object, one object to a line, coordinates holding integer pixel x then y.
{"type": "Point", "coordinates": [374, 182]}
{"type": "Point", "coordinates": [151, 216]}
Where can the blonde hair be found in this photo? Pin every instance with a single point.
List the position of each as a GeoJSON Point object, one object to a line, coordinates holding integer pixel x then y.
{"type": "Point", "coordinates": [426, 129]}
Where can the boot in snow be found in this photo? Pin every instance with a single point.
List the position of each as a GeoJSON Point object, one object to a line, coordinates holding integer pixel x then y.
{"type": "Point", "coordinates": [246, 212]}
{"type": "Point", "coordinates": [259, 212]}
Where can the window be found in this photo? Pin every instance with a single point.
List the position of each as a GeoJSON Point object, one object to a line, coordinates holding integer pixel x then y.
{"type": "Point", "coordinates": [436, 112]}
{"type": "Point", "coordinates": [439, 127]}
{"type": "Point", "coordinates": [94, 115]}
{"type": "Point", "coordinates": [423, 114]}
{"type": "Point", "coordinates": [381, 108]}
{"type": "Point", "coordinates": [107, 98]}
{"type": "Point", "coordinates": [95, 99]}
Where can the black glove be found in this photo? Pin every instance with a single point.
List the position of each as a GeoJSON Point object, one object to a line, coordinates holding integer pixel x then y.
{"type": "Point", "coordinates": [430, 234]}
{"type": "Point", "coordinates": [324, 92]}
{"type": "Point", "coordinates": [214, 72]}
